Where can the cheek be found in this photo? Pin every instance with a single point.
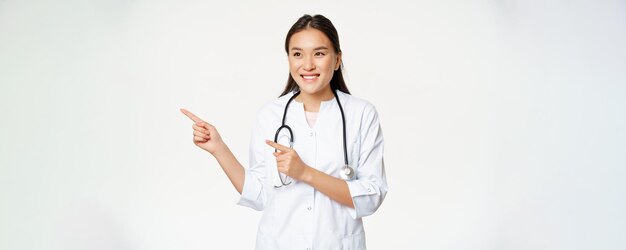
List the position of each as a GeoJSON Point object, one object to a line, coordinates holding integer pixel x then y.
{"type": "Point", "coordinates": [329, 65]}
{"type": "Point", "coordinates": [293, 65]}
{"type": "Point", "coordinates": [293, 70]}
{"type": "Point", "coordinates": [335, 64]}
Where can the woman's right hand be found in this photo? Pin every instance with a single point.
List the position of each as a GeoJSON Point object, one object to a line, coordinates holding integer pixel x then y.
{"type": "Point", "coordinates": [205, 135]}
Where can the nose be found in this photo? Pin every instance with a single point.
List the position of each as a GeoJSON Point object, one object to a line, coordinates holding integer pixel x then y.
{"type": "Point", "coordinates": [308, 64]}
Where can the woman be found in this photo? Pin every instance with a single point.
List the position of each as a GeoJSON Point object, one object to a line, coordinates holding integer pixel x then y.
{"type": "Point", "coordinates": [310, 198]}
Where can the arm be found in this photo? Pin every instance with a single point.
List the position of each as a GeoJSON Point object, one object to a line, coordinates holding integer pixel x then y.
{"type": "Point", "coordinates": [231, 166]}
{"type": "Point", "coordinates": [369, 188]}
{"type": "Point", "coordinates": [288, 162]}
{"type": "Point", "coordinates": [207, 138]}
{"type": "Point", "coordinates": [335, 188]}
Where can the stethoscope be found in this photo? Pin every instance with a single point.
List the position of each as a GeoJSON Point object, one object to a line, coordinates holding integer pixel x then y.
{"type": "Point", "coordinates": [346, 173]}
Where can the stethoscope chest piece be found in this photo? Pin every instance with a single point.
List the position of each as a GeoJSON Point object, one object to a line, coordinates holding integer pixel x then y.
{"type": "Point", "coordinates": [346, 173]}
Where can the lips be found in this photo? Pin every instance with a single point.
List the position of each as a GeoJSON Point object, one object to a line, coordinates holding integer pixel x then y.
{"type": "Point", "coordinates": [310, 77]}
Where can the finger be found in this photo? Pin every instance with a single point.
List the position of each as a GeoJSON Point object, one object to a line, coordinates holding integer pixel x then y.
{"type": "Point", "coordinates": [284, 158]}
{"type": "Point", "coordinates": [199, 139]}
{"type": "Point", "coordinates": [201, 129]}
{"type": "Point", "coordinates": [191, 116]}
{"type": "Point", "coordinates": [204, 124]}
{"type": "Point", "coordinates": [283, 170]}
{"type": "Point", "coordinates": [277, 146]}
{"type": "Point", "coordinates": [200, 134]}
{"type": "Point", "coordinates": [278, 154]}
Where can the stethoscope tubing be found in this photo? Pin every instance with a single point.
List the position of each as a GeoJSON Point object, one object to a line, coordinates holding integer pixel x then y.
{"type": "Point", "coordinates": [343, 122]}
{"type": "Point", "coordinates": [347, 172]}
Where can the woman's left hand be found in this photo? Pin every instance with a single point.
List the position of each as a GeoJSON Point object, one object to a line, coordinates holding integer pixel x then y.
{"type": "Point", "coordinates": [288, 161]}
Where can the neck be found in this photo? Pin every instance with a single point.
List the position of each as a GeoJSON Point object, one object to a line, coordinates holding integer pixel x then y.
{"type": "Point", "coordinates": [312, 101]}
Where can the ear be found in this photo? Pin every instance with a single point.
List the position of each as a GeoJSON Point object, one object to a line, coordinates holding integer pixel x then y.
{"type": "Point", "coordinates": [338, 65]}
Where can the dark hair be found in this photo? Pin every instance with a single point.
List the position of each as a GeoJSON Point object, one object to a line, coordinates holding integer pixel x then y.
{"type": "Point", "coordinates": [324, 25]}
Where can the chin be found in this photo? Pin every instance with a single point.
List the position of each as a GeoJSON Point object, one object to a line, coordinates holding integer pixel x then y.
{"type": "Point", "coordinates": [310, 89]}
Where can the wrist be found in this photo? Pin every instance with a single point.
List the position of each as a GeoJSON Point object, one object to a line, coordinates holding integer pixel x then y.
{"type": "Point", "coordinates": [220, 150]}
{"type": "Point", "coordinates": [307, 174]}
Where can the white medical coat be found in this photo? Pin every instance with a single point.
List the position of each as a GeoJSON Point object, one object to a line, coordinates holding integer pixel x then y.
{"type": "Point", "coordinates": [297, 216]}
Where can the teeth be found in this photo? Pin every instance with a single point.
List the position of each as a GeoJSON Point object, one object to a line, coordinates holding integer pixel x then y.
{"type": "Point", "coordinates": [309, 77]}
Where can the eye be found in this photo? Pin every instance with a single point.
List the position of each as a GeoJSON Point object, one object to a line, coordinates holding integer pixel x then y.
{"type": "Point", "coordinates": [296, 54]}
{"type": "Point", "coordinates": [320, 54]}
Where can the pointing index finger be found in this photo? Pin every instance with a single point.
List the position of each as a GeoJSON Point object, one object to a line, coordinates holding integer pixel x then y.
{"type": "Point", "coordinates": [191, 116]}
{"type": "Point", "coordinates": [275, 145]}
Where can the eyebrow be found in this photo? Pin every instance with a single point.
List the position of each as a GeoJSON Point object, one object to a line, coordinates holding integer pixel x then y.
{"type": "Point", "coordinates": [318, 48]}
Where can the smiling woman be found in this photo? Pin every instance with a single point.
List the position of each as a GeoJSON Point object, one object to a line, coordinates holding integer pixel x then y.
{"type": "Point", "coordinates": [312, 61]}
{"type": "Point", "coordinates": [313, 195]}
{"type": "Point", "coordinates": [312, 45]}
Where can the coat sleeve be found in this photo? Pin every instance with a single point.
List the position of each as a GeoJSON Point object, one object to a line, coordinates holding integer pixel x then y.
{"type": "Point", "coordinates": [369, 188]}
{"type": "Point", "coordinates": [254, 193]}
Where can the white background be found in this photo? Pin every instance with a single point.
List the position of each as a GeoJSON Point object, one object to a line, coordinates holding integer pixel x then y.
{"type": "Point", "coordinates": [504, 120]}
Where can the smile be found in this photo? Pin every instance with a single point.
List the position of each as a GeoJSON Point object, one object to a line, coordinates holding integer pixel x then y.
{"type": "Point", "coordinates": [310, 77]}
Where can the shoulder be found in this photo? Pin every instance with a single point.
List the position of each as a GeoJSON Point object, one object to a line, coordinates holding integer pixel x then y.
{"type": "Point", "coordinates": [276, 103]}
{"type": "Point", "coordinates": [273, 108]}
{"type": "Point", "coordinates": [356, 104]}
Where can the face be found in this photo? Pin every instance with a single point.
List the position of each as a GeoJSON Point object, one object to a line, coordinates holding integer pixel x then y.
{"type": "Point", "coordinates": [312, 61]}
